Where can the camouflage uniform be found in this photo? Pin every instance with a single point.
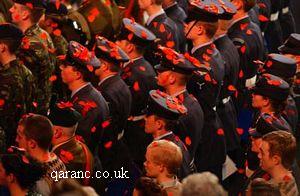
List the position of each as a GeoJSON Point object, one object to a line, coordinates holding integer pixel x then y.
{"type": "Point", "coordinates": [29, 86]}
{"type": "Point", "coordinates": [60, 44]}
{"type": "Point", "coordinates": [36, 51]}
{"type": "Point", "coordinates": [11, 99]}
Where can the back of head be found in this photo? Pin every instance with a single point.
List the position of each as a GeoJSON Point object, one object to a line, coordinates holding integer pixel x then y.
{"type": "Point", "coordinates": [39, 129]}
{"type": "Point", "coordinates": [283, 144]}
{"type": "Point", "coordinates": [168, 154]}
{"type": "Point", "coordinates": [260, 187]}
{"type": "Point", "coordinates": [148, 187]}
{"type": "Point", "coordinates": [68, 187]}
{"type": "Point", "coordinates": [26, 170]}
{"type": "Point", "coordinates": [202, 184]}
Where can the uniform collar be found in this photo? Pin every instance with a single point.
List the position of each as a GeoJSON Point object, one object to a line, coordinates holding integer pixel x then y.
{"type": "Point", "coordinates": [170, 184]}
{"type": "Point", "coordinates": [132, 60]}
{"type": "Point", "coordinates": [200, 46]}
{"type": "Point", "coordinates": [31, 29]}
{"type": "Point", "coordinates": [77, 90]}
{"type": "Point", "coordinates": [152, 17]}
{"type": "Point", "coordinates": [237, 20]}
{"type": "Point", "coordinates": [162, 136]}
{"type": "Point", "coordinates": [60, 144]}
{"type": "Point", "coordinates": [179, 93]}
{"type": "Point", "coordinates": [219, 36]}
{"type": "Point", "coordinates": [104, 79]}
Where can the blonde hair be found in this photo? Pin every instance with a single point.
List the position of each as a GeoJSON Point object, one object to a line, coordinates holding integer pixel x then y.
{"type": "Point", "coordinates": [168, 154]}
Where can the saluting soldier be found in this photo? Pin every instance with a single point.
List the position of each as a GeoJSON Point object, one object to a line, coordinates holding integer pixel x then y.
{"type": "Point", "coordinates": [113, 152]}
{"type": "Point", "coordinates": [205, 84]}
{"type": "Point", "coordinates": [178, 15]}
{"type": "Point", "coordinates": [226, 108]}
{"type": "Point", "coordinates": [173, 75]}
{"type": "Point", "coordinates": [161, 26]}
{"type": "Point", "coordinates": [139, 75]}
{"type": "Point", "coordinates": [74, 154]}
{"type": "Point", "coordinates": [12, 94]}
{"type": "Point", "coordinates": [162, 113]}
{"type": "Point", "coordinates": [76, 71]}
{"type": "Point", "coordinates": [36, 49]}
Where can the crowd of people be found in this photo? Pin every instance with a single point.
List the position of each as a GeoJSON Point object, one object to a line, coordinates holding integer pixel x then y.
{"type": "Point", "coordinates": [164, 97]}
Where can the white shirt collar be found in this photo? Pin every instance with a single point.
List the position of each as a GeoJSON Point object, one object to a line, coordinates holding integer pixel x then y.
{"type": "Point", "coordinates": [160, 12]}
{"type": "Point", "coordinates": [178, 93]}
{"type": "Point", "coordinates": [235, 21]}
{"type": "Point", "coordinates": [219, 36]}
{"type": "Point", "coordinates": [200, 46]}
{"type": "Point", "coordinates": [60, 144]}
{"type": "Point", "coordinates": [131, 61]}
{"type": "Point", "coordinates": [77, 90]}
{"type": "Point", "coordinates": [162, 136]}
{"type": "Point", "coordinates": [105, 79]}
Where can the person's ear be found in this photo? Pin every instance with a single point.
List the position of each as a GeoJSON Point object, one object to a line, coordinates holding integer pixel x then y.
{"type": "Point", "coordinates": [129, 48]}
{"type": "Point", "coordinates": [25, 14]}
{"type": "Point", "coordinates": [266, 102]}
{"type": "Point", "coordinates": [57, 133]}
{"type": "Point", "coordinates": [276, 160]}
{"type": "Point", "coordinates": [200, 29]}
{"type": "Point", "coordinates": [32, 144]}
{"type": "Point", "coordinates": [10, 178]}
{"type": "Point", "coordinates": [159, 124]}
{"type": "Point", "coordinates": [172, 78]}
{"type": "Point", "coordinates": [238, 4]}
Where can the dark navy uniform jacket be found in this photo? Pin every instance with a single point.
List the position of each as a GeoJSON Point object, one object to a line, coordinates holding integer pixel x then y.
{"type": "Point", "coordinates": [94, 109]}
{"type": "Point", "coordinates": [118, 96]}
{"type": "Point", "coordinates": [178, 15]}
{"type": "Point", "coordinates": [166, 31]}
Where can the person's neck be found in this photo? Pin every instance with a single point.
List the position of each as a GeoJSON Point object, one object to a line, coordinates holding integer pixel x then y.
{"type": "Point", "coordinates": [168, 4]}
{"type": "Point", "coordinates": [76, 85]}
{"type": "Point", "coordinates": [107, 74]}
{"type": "Point", "coordinates": [267, 110]}
{"type": "Point", "coordinates": [61, 140]}
{"type": "Point", "coordinates": [201, 40]}
{"type": "Point", "coordinates": [41, 155]}
{"type": "Point", "coordinates": [238, 15]}
{"type": "Point", "coordinates": [7, 58]}
{"type": "Point", "coordinates": [163, 178]}
{"type": "Point", "coordinates": [220, 32]}
{"type": "Point", "coordinates": [15, 190]}
{"type": "Point", "coordinates": [24, 25]}
{"type": "Point", "coordinates": [159, 133]}
{"type": "Point", "coordinates": [153, 9]}
{"type": "Point", "coordinates": [173, 89]}
{"type": "Point", "coordinates": [278, 173]}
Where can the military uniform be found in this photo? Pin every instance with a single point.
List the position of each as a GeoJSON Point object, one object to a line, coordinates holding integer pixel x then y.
{"type": "Point", "coordinates": [139, 75]}
{"type": "Point", "coordinates": [178, 15]}
{"type": "Point", "coordinates": [12, 86]}
{"type": "Point", "coordinates": [273, 33]}
{"type": "Point", "coordinates": [166, 31]}
{"type": "Point", "coordinates": [205, 85]}
{"type": "Point", "coordinates": [169, 108]}
{"type": "Point", "coordinates": [286, 20]}
{"type": "Point", "coordinates": [117, 94]}
{"type": "Point", "coordinates": [189, 127]}
{"type": "Point", "coordinates": [87, 100]}
{"type": "Point", "coordinates": [285, 68]}
{"type": "Point", "coordinates": [35, 55]}
{"type": "Point", "coordinates": [272, 121]}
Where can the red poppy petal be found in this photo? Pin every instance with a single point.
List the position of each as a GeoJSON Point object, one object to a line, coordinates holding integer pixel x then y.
{"type": "Point", "coordinates": [188, 141]}
{"type": "Point", "coordinates": [108, 145]}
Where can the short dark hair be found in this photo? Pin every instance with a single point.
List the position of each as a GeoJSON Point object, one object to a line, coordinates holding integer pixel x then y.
{"type": "Point", "coordinates": [277, 105]}
{"type": "Point", "coordinates": [148, 187]}
{"type": "Point", "coordinates": [12, 44]}
{"type": "Point", "coordinates": [25, 169]}
{"type": "Point", "coordinates": [260, 187]}
{"type": "Point", "coordinates": [283, 144]}
{"type": "Point", "coordinates": [210, 28]}
{"type": "Point", "coordinates": [169, 124]}
{"type": "Point", "coordinates": [86, 74]}
{"type": "Point", "coordinates": [38, 128]}
{"type": "Point", "coordinates": [35, 13]}
{"type": "Point", "coordinates": [158, 2]}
